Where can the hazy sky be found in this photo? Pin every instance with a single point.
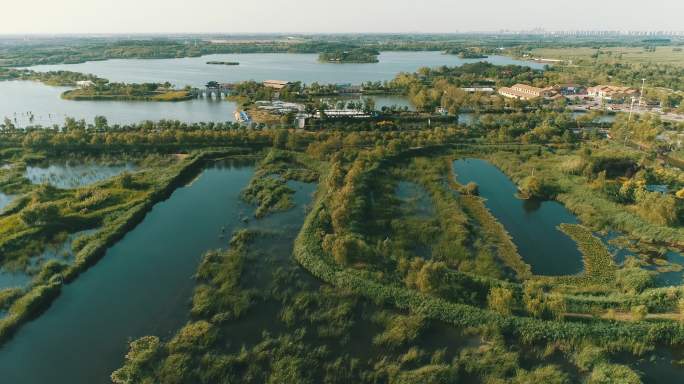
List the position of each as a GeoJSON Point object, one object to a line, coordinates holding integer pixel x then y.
{"type": "Point", "coordinates": [151, 16]}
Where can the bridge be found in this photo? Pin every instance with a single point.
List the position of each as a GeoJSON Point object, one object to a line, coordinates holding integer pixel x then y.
{"type": "Point", "coordinates": [214, 90]}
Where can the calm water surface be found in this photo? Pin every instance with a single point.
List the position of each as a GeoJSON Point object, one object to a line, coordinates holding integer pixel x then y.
{"type": "Point", "coordinates": [142, 286]}
{"type": "Point", "coordinates": [264, 66]}
{"type": "Point", "coordinates": [62, 252]}
{"type": "Point", "coordinates": [73, 175]}
{"type": "Point", "coordinates": [5, 200]}
{"type": "Point", "coordinates": [31, 103]}
{"type": "Point", "coordinates": [416, 199]}
{"type": "Point", "coordinates": [532, 225]}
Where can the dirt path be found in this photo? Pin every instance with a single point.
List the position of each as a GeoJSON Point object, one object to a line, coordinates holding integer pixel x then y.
{"type": "Point", "coordinates": [626, 316]}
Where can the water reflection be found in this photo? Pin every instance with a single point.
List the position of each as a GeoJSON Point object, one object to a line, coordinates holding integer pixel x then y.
{"type": "Point", "coordinates": [68, 175]}
{"type": "Point", "coordinates": [531, 205]}
{"type": "Point", "coordinates": [62, 251]}
{"type": "Point", "coordinates": [5, 200]}
{"type": "Point", "coordinates": [533, 225]}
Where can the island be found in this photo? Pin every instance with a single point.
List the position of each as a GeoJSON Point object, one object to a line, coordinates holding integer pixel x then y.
{"type": "Point", "coordinates": [223, 63]}
{"type": "Point", "coordinates": [125, 92]}
{"type": "Point", "coordinates": [466, 53]}
{"type": "Point", "coordinates": [356, 55]}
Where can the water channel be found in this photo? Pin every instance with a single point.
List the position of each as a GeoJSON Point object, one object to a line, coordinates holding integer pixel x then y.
{"type": "Point", "coordinates": [142, 286]}
{"type": "Point", "coordinates": [533, 225]}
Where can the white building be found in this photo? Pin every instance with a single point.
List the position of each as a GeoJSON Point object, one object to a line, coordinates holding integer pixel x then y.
{"type": "Point", "coordinates": [84, 83]}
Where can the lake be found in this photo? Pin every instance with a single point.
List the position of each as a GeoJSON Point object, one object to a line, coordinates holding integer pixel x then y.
{"type": "Point", "coordinates": [19, 100]}
{"type": "Point", "coordinates": [31, 103]}
{"type": "Point", "coordinates": [533, 225]}
{"type": "Point", "coordinates": [195, 72]}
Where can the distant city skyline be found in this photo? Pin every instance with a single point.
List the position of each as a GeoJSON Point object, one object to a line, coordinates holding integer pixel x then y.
{"type": "Point", "coordinates": [323, 16]}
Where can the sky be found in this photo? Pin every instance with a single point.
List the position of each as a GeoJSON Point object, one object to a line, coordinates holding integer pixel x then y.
{"type": "Point", "coordinates": [334, 16]}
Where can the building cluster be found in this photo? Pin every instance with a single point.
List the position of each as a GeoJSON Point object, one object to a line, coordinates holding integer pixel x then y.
{"type": "Point", "coordinates": [276, 84]}
{"type": "Point", "coordinates": [599, 92]}
{"type": "Point", "coordinates": [279, 107]}
{"type": "Point", "coordinates": [611, 92]}
{"type": "Point", "coordinates": [527, 92]}
{"type": "Point", "coordinates": [85, 83]}
{"type": "Point", "coordinates": [478, 89]}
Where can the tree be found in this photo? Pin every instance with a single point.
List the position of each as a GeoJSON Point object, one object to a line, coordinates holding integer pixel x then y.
{"type": "Point", "coordinates": [500, 300]}
{"type": "Point", "coordinates": [431, 277]}
{"type": "Point", "coordinates": [100, 122]}
{"type": "Point", "coordinates": [280, 138]}
{"type": "Point", "coordinates": [368, 105]}
{"type": "Point", "coordinates": [657, 208]}
{"type": "Point", "coordinates": [8, 125]}
{"type": "Point", "coordinates": [531, 187]}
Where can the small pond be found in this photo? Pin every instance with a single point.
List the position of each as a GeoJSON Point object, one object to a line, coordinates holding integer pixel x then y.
{"type": "Point", "coordinates": [62, 252]}
{"type": "Point", "coordinates": [70, 175]}
{"type": "Point", "coordinates": [416, 199]}
{"type": "Point", "coordinates": [5, 200]}
{"type": "Point", "coordinates": [674, 277]}
{"type": "Point", "coordinates": [669, 276]}
{"type": "Point", "coordinates": [659, 366]}
{"type": "Point", "coordinates": [533, 225]}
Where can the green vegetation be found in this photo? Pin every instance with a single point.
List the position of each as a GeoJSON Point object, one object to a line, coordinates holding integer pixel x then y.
{"type": "Point", "coordinates": [56, 78]}
{"type": "Point", "coordinates": [356, 55]}
{"type": "Point", "coordinates": [121, 91]}
{"type": "Point", "coordinates": [113, 207]}
{"type": "Point", "coordinates": [598, 263]}
{"type": "Point", "coordinates": [664, 54]}
{"type": "Point", "coordinates": [398, 273]}
{"type": "Point", "coordinates": [268, 188]}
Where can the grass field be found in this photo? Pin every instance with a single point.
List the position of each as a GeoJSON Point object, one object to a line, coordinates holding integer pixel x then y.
{"type": "Point", "coordinates": [662, 55]}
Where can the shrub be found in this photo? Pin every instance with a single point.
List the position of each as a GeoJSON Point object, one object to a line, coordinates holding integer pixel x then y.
{"type": "Point", "coordinates": [140, 353]}
{"type": "Point", "coordinates": [429, 374]}
{"type": "Point", "coordinates": [501, 300]}
{"type": "Point", "coordinates": [549, 374]}
{"type": "Point", "coordinates": [400, 330]}
{"type": "Point", "coordinates": [194, 336]}
{"type": "Point", "coordinates": [657, 209]}
{"type": "Point", "coordinates": [613, 374]}
{"type": "Point", "coordinates": [634, 279]}
{"type": "Point", "coordinates": [471, 189]}
{"type": "Point", "coordinates": [588, 357]}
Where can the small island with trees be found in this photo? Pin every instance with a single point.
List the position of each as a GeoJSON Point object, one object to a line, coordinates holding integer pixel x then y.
{"type": "Point", "coordinates": [123, 91]}
{"type": "Point", "coordinates": [223, 63]}
{"type": "Point", "coordinates": [356, 55]}
{"type": "Point", "coordinates": [467, 53]}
